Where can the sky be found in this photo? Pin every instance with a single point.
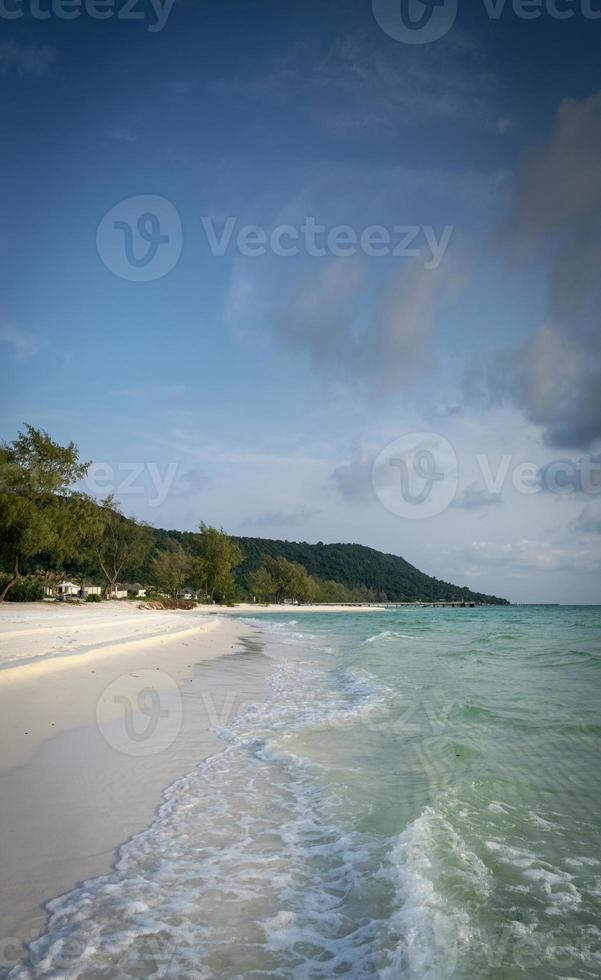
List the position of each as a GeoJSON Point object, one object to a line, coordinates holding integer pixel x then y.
{"type": "Point", "coordinates": [322, 271]}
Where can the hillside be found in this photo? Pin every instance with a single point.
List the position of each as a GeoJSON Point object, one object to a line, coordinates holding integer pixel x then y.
{"type": "Point", "coordinates": [354, 564]}
{"type": "Point", "coordinates": [390, 576]}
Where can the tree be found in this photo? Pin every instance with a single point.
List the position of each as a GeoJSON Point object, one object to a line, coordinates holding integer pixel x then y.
{"type": "Point", "coordinates": [36, 478]}
{"type": "Point", "coordinates": [215, 557]}
{"type": "Point", "coordinates": [119, 544]}
{"type": "Point", "coordinates": [169, 569]}
{"type": "Point", "coordinates": [263, 585]}
{"type": "Point", "coordinates": [198, 573]}
{"type": "Point", "coordinates": [290, 580]}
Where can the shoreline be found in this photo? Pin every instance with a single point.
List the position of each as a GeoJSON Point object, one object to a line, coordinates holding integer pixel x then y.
{"type": "Point", "coordinates": [95, 728]}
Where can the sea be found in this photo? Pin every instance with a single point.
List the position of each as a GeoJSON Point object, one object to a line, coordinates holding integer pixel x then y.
{"type": "Point", "coordinates": [418, 797]}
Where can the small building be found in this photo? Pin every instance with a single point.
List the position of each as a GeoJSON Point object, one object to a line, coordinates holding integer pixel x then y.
{"type": "Point", "coordinates": [90, 588]}
{"type": "Point", "coordinates": [118, 591]}
{"type": "Point", "coordinates": [72, 589]}
{"type": "Point", "coordinates": [135, 589]}
{"type": "Point", "coordinates": [66, 588]}
{"type": "Point", "coordinates": [187, 593]}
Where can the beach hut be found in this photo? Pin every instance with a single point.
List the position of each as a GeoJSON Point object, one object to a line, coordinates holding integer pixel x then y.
{"type": "Point", "coordinates": [134, 588]}
{"type": "Point", "coordinates": [90, 588]}
{"type": "Point", "coordinates": [187, 593]}
{"type": "Point", "coordinates": [67, 588]}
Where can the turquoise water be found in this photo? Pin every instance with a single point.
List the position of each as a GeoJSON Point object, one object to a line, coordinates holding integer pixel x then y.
{"type": "Point", "coordinates": [419, 798]}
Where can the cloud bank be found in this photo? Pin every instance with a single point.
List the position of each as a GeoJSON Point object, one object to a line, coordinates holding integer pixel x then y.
{"type": "Point", "coordinates": [555, 375]}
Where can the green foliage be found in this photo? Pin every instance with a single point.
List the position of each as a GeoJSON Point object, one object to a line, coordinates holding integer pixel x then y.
{"type": "Point", "coordinates": [36, 475]}
{"type": "Point", "coordinates": [170, 569]}
{"type": "Point", "coordinates": [279, 579]}
{"type": "Point", "coordinates": [263, 585]}
{"type": "Point", "coordinates": [93, 598]}
{"type": "Point", "coordinates": [29, 588]}
{"type": "Point", "coordinates": [215, 556]}
{"type": "Point", "coordinates": [45, 525]}
{"type": "Point", "coordinates": [117, 544]}
{"type": "Point", "coordinates": [370, 575]}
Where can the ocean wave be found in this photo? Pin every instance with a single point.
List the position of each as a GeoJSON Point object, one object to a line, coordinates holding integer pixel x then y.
{"type": "Point", "coordinates": [248, 834]}
{"type": "Point", "coordinates": [387, 635]}
{"type": "Point", "coordinates": [426, 860]}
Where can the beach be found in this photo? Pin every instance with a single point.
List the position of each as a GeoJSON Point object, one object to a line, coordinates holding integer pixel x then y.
{"type": "Point", "coordinates": [73, 785]}
{"type": "Point", "coordinates": [407, 794]}
{"type": "Point", "coordinates": [74, 678]}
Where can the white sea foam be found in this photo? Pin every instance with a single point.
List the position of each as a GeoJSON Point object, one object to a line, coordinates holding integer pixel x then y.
{"type": "Point", "coordinates": [387, 635]}
{"type": "Point", "coordinates": [257, 865]}
{"type": "Point", "coordinates": [247, 845]}
{"type": "Point", "coordinates": [430, 933]}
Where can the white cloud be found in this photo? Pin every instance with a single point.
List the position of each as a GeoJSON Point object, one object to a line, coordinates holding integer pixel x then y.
{"type": "Point", "coordinates": [533, 555]}
{"type": "Point", "coordinates": [295, 517]}
{"type": "Point", "coordinates": [121, 134]}
{"type": "Point", "coordinates": [325, 318]}
{"type": "Point", "coordinates": [24, 344]}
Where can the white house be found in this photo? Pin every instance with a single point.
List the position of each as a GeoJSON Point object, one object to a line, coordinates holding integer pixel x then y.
{"type": "Point", "coordinates": [67, 588]}
{"type": "Point", "coordinates": [121, 590]}
{"type": "Point", "coordinates": [187, 593]}
{"type": "Point", "coordinates": [134, 588]}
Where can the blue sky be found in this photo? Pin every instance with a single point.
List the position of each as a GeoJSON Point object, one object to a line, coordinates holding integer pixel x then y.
{"type": "Point", "coordinates": [257, 392]}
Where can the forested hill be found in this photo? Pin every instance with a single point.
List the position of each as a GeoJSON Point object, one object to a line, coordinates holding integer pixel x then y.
{"type": "Point", "coordinates": [354, 564]}
{"type": "Point", "coordinates": [388, 576]}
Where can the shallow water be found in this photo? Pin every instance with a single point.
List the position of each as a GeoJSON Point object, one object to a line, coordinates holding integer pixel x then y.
{"type": "Point", "coordinates": [419, 797]}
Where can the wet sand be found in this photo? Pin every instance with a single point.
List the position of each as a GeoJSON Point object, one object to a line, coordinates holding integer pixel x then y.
{"type": "Point", "coordinates": [101, 708]}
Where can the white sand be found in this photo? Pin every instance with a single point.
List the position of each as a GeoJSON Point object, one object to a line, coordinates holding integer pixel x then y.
{"type": "Point", "coordinates": [102, 707]}
{"type": "Point", "coordinates": [248, 607]}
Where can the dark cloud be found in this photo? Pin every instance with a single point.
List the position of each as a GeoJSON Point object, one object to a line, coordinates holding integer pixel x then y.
{"type": "Point", "coordinates": [579, 476]}
{"type": "Point", "coordinates": [191, 482]}
{"type": "Point", "coordinates": [555, 376]}
{"type": "Point", "coordinates": [588, 522]}
{"type": "Point", "coordinates": [354, 479]}
{"type": "Point", "coordinates": [475, 498]}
